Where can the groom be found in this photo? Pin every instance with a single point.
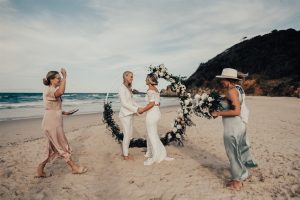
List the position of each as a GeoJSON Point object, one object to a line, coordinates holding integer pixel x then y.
{"type": "Point", "coordinates": [128, 108]}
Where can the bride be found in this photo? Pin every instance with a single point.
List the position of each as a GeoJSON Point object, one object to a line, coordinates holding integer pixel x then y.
{"type": "Point", "coordinates": [156, 151]}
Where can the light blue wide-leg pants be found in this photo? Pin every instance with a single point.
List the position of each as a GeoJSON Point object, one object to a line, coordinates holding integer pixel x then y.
{"type": "Point", "coordinates": [237, 146]}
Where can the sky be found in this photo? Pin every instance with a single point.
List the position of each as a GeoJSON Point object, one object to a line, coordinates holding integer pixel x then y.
{"type": "Point", "coordinates": [97, 40]}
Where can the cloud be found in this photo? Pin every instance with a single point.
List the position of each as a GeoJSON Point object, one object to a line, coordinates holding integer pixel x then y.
{"type": "Point", "coordinates": [97, 40]}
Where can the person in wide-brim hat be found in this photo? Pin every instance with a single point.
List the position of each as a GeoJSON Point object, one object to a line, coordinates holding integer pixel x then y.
{"type": "Point", "coordinates": [229, 73]}
{"type": "Point", "coordinates": [235, 119]}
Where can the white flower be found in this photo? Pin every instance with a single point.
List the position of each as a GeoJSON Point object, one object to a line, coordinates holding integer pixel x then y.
{"type": "Point", "coordinates": [172, 80]}
{"type": "Point", "coordinates": [197, 97]}
{"type": "Point", "coordinates": [178, 136]}
{"type": "Point", "coordinates": [161, 66]}
{"type": "Point", "coordinates": [163, 70]}
{"type": "Point", "coordinates": [189, 95]}
{"type": "Point", "coordinates": [185, 111]}
{"type": "Point", "coordinates": [174, 130]}
{"type": "Point", "coordinates": [210, 99]}
{"type": "Point", "coordinates": [180, 115]}
{"type": "Point", "coordinates": [179, 126]}
{"type": "Point", "coordinates": [168, 76]}
{"type": "Point", "coordinates": [187, 101]}
{"type": "Point", "coordinates": [179, 110]}
{"type": "Point", "coordinates": [169, 136]}
{"type": "Point", "coordinates": [201, 102]}
{"type": "Point", "coordinates": [204, 96]}
{"type": "Point", "coordinates": [161, 74]}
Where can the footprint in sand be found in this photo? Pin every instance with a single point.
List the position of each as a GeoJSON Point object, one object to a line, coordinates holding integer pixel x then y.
{"type": "Point", "coordinates": [255, 176]}
{"type": "Point", "coordinates": [7, 173]}
{"type": "Point", "coordinates": [140, 185]}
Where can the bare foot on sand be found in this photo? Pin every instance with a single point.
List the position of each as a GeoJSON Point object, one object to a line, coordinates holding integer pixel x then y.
{"type": "Point", "coordinates": [235, 185]}
{"type": "Point", "coordinates": [129, 157]}
{"type": "Point", "coordinates": [79, 170]}
{"type": "Point", "coordinates": [40, 172]}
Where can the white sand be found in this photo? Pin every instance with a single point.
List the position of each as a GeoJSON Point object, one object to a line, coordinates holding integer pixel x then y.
{"type": "Point", "coordinates": [200, 170]}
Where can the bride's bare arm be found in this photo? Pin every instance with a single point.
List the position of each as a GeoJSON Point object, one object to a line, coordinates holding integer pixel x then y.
{"type": "Point", "coordinates": [148, 106]}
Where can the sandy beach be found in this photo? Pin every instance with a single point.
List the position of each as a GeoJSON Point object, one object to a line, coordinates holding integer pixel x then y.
{"type": "Point", "coordinates": [199, 171]}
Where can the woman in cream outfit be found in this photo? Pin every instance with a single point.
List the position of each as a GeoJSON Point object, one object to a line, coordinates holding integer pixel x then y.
{"type": "Point", "coordinates": [52, 125]}
{"type": "Point", "coordinates": [128, 108]}
{"type": "Point", "coordinates": [156, 151]}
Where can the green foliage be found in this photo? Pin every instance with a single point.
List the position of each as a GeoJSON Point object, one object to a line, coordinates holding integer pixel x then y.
{"type": "Point", "coordinates": [272, 56]}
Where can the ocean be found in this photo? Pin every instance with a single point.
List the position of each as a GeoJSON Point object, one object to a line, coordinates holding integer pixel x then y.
{"type": "Point", "coordinates": [14, 106]}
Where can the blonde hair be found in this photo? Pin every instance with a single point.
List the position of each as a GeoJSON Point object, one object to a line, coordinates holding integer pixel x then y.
{"type": "Point", "coordinates": [152, 79]}
{"type": "Point", "coordinates": [126, 73]}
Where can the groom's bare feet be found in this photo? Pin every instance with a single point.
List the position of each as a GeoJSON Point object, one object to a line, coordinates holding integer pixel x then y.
{"type": "Point", "coordinates": [129, 157]}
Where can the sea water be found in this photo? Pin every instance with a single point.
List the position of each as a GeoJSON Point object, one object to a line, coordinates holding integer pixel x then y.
{"type": "Point", "coordinates": [14, 106]}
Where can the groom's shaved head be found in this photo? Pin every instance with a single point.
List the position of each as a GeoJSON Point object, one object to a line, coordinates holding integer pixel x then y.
{"type": "Point", "coordinates": [126, 73]}
{"type": "Point", "coordinates": [127, 78]}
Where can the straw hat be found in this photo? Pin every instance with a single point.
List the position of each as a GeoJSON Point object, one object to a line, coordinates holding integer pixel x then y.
{"type": "Point", "coordinates": [229, 73]}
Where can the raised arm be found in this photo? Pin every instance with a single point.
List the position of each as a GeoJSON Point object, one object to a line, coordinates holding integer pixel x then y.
{"type": "Point", "coordinates": [61, 90]}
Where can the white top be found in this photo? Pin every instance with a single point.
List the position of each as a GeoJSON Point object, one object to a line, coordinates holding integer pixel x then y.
{"type": "Point", "coordinates": [128, 105]}
{"type": "Point", "coordinates": [244, 110]}
{"type": "Point", "coordinates": [152, 96]}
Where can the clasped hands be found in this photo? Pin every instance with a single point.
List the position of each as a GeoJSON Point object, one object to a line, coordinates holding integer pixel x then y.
{"type": "Point", "coordinates": [140, 110]}
{"type": "Point", "coordinates": [214, 114]}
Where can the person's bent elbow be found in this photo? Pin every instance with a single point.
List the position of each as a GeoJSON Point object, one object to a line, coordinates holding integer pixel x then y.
{"type": "Point", "coordinates": [237, 112]}
{"type": "Point", "coordinates": [58, 93]}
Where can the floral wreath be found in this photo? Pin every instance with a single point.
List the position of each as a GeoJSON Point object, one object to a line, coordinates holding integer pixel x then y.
{"type": "Point", "coordinates": [202, 105]}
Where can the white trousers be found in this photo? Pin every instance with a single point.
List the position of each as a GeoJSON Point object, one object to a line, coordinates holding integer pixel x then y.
{"type": "Point", "coordinates": [127, 123]}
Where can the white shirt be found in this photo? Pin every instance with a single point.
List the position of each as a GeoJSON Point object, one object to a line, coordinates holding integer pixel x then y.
{"type": "Point", "coordinates": [128, 105]}
{"type": "Point", "coordinates": [152, 96]}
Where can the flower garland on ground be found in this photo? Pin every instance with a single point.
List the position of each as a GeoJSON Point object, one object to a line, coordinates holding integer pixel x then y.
{"type": "Point", "coordinates": [201, 106]}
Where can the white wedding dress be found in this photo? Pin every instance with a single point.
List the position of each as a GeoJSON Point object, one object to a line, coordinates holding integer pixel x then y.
{"type": "Point", "coordinates": [156, 151]}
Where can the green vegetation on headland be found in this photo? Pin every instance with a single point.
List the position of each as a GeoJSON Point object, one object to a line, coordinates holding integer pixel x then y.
{"type": "Point", "coordinates": [272, 61]}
